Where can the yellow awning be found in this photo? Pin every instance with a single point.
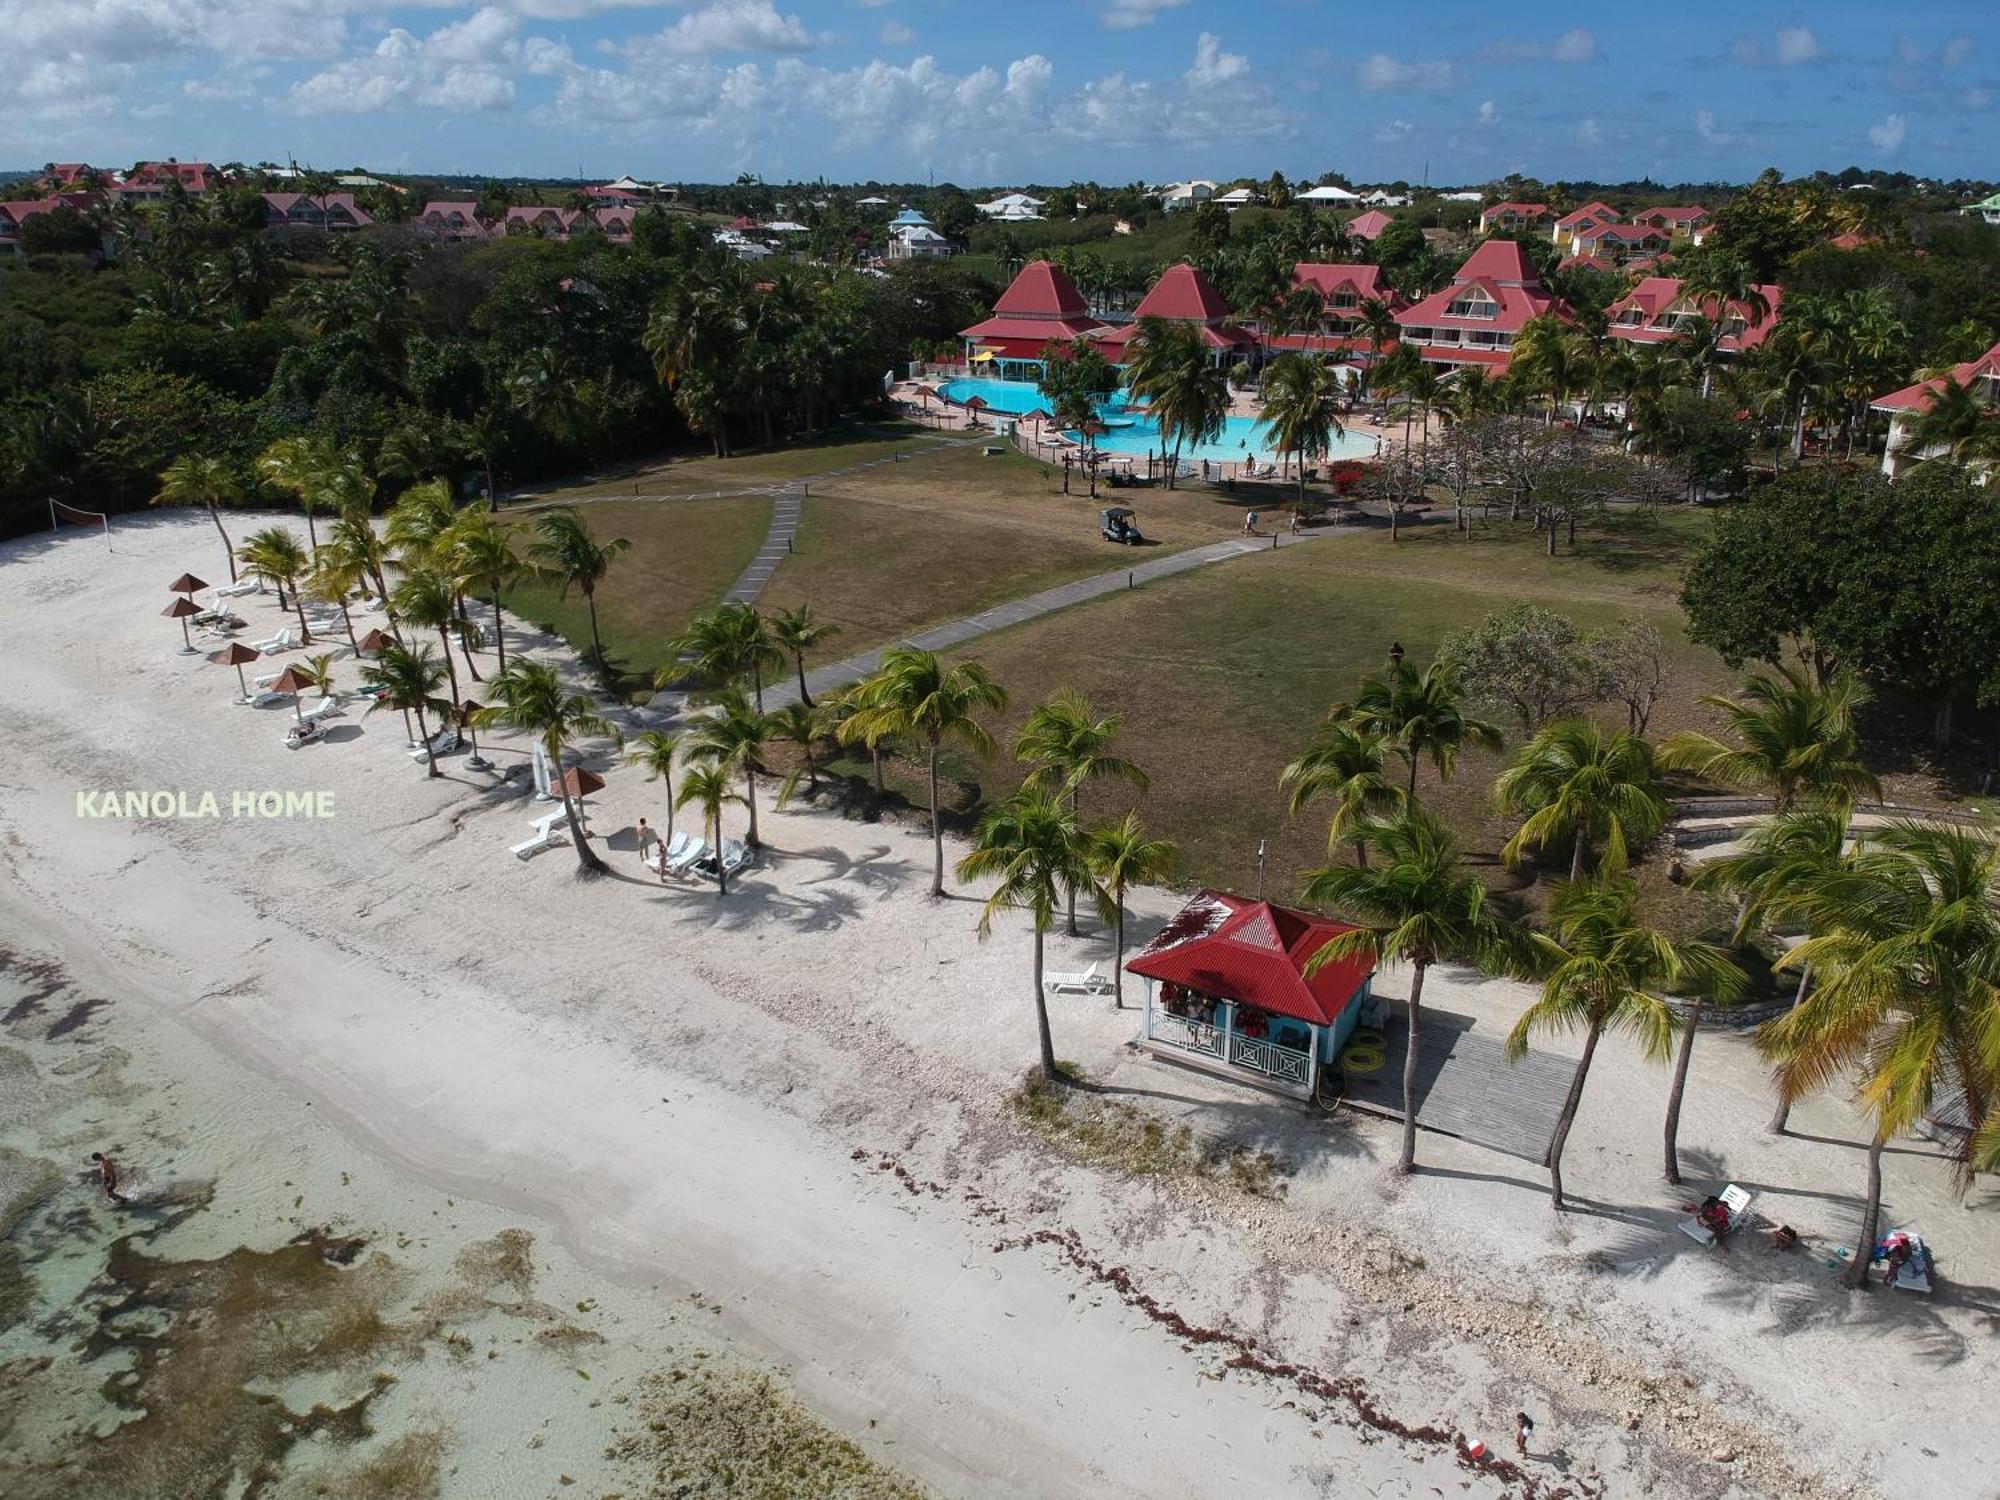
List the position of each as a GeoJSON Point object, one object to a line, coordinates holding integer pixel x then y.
{"type": "Point", "coordinates": [984, 356]}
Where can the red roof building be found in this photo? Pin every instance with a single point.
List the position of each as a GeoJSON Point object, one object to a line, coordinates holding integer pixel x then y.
{"type": "Point", "coordinates": [1040, 304]}
{"type": "Point", "coordinates": [1509, 218]}
{"type": "Point", "coordinates": [1474, 321]}
{"type": "Point", "coordinates": [1655, 311]}
{"type": "Point", "coordinates": [1912, 401]}
{"type": "Point", "coordinates": [1692, 221]}
{"type": "Point", "coordinates": [1590, 216]}
{"type": "Point", "coordinates": [16, 213]}
{"type": "Point", "coordinates": [1619, 242]}
{"type": "Point", "coordinates": [1369, 225]}
{"type": "Point", "coordinates": [1182, 295]}
{"type": "Point", "coordinates": [454, 220]}
{"type": "Point", "coordinates": [149, 181]}
{"type": "Point", "coordinates": [304, 211]}
{"type": "Point", "coordinates": [1342, 289]}
{"type": "Point", "coordinates": [1229, 992]}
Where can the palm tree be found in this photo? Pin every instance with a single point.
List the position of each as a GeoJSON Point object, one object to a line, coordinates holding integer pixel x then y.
{"type": "Point", "coordinates": [709, 788]}
{"type": "Point", "coordinates": [1421, 715]}
{"type": "Point", "coordinates": [803, 728]}
{"type": "Point", "coordinates": [420, 522]}
{"type": "Point", "coordinates": [796, 631]}
{"type": "Point", "coordinates": [1301, 398]}
{"type": "Point", "coordinates": [732, 736]}
{"type": "Point", "coordinates": [355, 548]}
{"type": "Point", "coordinates": [332, 579]}
{"type": "Point", "coordinates": [201, 479]}
{"type": "Point", "coordinates": [1418, 905]}
{"type": "Point", "coordinates": [1574, 778]}
{"type": "Point", "coordinates": [1784, 860]}
{"type": "Point", "coordinates": [1957, 422]}
{"type": "Point", "coordinates": [482, 556]}
{"type": "Point", "coordinates": [1376, 320]}
{"type": "Point", "coordinates": [1602, 969]}
{"type": "Point", "coordinates": [1548, 352]}
{"type": "Point", "coordinates": [565, 550]}
{"type": "Point", "coordinates": [1030, 844]}
{"type": "Point", "coordinates": [1793, 737]}
{"type": "Point", "coordinates": [1349, 767]}
{"type": "Point", "coordinates": [723, 646]}
{"type": "Point", "coordinates": [529, 696]}
{"type": "Point", "coordinates": [1121, 856]}
{"type": "Point", "coordinates": [299, 466]}
{"type": "Point", "coordinates": [410, 680]}
{"type": "Point", "coordinates": [274, 553]}
{"type": "Point", "coordinates": [1188, 395]}
{"type": "Point", "coordinates": [912, 696]}
{"type": "Point", "coordinates": [1065, 743]}
{"type": "Point", "coordinates": [1906, 944]}
{"type": "Point", "coordinates": [426, 598]}
{"type": "Point", "coordinates": [655, 750]}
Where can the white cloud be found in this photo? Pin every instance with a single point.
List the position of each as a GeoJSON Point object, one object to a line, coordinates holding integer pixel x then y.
{"type": "Point", "coordinates": [1957, 52]}
{"type": "Point", "coordinates": [1383, 74]}
{"type": "Point", "coordinates": [1977, 98]}
{"type": "Point", "coordinates": [545, 56]}
{"type": "Point", "coordinates": [1589, 133]}
{"type": "Point", "coordinates": [1797, 44]}
{"type": "Point", "coordinates": [90, 33]}
{"type": "Point", "coordinates": [896, 34]}
{"type": "Point", "coordinates": [1704, 129]}
{"type": "Point", "coordinates": [464, 67]}
{"type": "Point", "coordinates": [224, 88]}
{"type": "Point", "coordinates": [1396, 130]}
{"type": "Point", "coordinates": [1577, 45]}
{"type": "Point", "coordinates": [1123, 15]}
{"type": "Point", "coordinates": [1212, 65]}
{"type": "Point", "coordinates": [730, 26]}
{"type": "Point", "coordinates": [1888, 137]}
{"type": "Point", "coordinates": [1488, 113]}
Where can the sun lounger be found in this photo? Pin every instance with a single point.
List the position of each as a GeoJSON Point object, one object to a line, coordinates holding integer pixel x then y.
{"type": "Point", "coordinates": [1092, 981]}
{"type": "Point", "coordinates": [302, 734]}
{"type": "Point", "coordinates": [548, 838]}
{"type": "Point", "coordinates": [241, 587]}
{"type": "Point", "coordinates": [736, 857]}
{"type": "Point", "coordinates": [688, 858]}
{"type": "Point", "coordinates": [1735, 1203]}
{"type": "Point", "coordinates": [260, 698]}
{"type": "Point", "coordinates": [284, 640]}
{"type": "Point", "coordinates": [442, 743]}
{"type": "Point", "coordinates": [320, 710]}
{"type": "Point", "coordinates": [1914, 1274]}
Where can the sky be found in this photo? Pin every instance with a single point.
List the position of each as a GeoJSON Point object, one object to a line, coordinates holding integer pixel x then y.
{"type": "Point", "coordinates": [1011, 91]}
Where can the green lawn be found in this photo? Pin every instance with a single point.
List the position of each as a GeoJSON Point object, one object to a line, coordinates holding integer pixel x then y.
{"type": "Point", "coordinates": [704, 475]}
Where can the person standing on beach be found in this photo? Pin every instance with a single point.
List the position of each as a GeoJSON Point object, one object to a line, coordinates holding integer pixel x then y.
{"type": "Point", "coordinates": [645, 838]}
{"type": "Point", "coordinates": [107, 1174]}
{"type": "Point", "coordinates": [1524, 1428]}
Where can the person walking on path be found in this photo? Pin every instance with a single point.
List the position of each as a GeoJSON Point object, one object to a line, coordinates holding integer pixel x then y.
{"type": "Point", "coordinates": [107, 1174]}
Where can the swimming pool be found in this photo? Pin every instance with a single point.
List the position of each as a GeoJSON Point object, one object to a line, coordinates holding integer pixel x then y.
{"type": "Point", "coordinates": [1015, 398]}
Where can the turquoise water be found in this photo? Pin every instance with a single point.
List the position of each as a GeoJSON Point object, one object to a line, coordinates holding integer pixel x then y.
{"type": "Point", "coordinates": [1133, 432]}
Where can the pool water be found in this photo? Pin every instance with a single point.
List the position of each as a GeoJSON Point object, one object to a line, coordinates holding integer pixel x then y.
{"type": "Point", "coordinates": [1016, 398]}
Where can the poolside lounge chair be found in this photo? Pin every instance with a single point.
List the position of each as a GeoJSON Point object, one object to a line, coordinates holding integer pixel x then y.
{"type": "Point", "coordinates": [284, 640]}
{"type": "Point", "coordinates": [1092, 981]}
{"type": "Point", "coordinates": [325, 708]}
{"type": "Point", "coordinates": [260, 698]}
{"type": "Point", "coordinates": [442, 743]}
{"type": "Point", "coordinates": [1735, 1203]}
{"type": "Point", "coordinates": [547, 838]}
{"type": "Point", "coordinates": [241, 587]}
{"type": "Point", "coordinates": [736, 857]}
{"type": "Point", "coordinates": [680, 864]}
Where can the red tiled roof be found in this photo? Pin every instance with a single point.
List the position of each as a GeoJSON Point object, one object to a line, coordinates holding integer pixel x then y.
{"type": "Point", "coordinates": [1502, 270]}
{"type": "Point", "coordinates": [1852, 241]}
{"type": "Point", "coordinates": [1042, 289]}
{"type": "Point", "coordinates": [27, 208]}
{"type": "Point", "coordinates": [1033, 332]}
{"type": "Point", "coordinates": [1503, 261]}
{"type": "Point", "coordinates": [1621, 234]}
{"type": "Point", "coordinates": [1918, 397]}
{"type": "Point", "coordinates": [1327, 278]}
{"type": "Point", "coordinates": [1183, 293]}
{"type": "Point", "coordinates": [1603, 211]}
{"type": "Point", "coordinates": [1519, 210]}
{"type": "Point", "coordinates": [1226, 337]}
{"type": "Point", "coordinates": [1254, 952]}
{"type": "Point", "coordinates": [1587, 263]}
{"type": "Point", "coordinates": [1671, 215]}
{"type": "Point", "coordinates": [1654, 295]}
{"type": "Point", "coordinates": [1367, 226]}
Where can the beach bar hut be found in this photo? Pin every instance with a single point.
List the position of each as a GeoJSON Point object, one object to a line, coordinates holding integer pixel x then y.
{"type": "Point", "coordinates": [1226, 992]}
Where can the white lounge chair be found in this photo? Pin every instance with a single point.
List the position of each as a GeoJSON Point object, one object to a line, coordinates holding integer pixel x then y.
{"type": "Point", "coordinates": [325, 708]}
{"type": "Point", "coordinates": [305, 733]}
{"type": "Point", "coordinates": [241, 587]}
{"type": "Point", "coordinates": [260, 698]}
{"type": "Point", "coordinates": [1735, 1202]}
{"type": "Point", "coordinates": [284, 640]}
{"type": "Point", "coordinates": [442, 743]}
{"type": "Point", "coordinates": [1092, 981]}
{"type": "Point", "coordinates": [680, 864]}
{"type": "Point", "coordinates": [736, 857]}
{"type": "Point", "coordinates": [666, 851]}
{"type": "Point", "coordinates": [547, 838]}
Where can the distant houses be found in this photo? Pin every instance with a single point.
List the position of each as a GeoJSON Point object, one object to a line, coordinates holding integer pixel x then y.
{"type": "Point", "coordinates": [1476, 319]}
{"type": "Point", "coordinates": [1012, 208]}
{"type": "Point", "coordinates": [460, 220]}
{"type": "Point", "coordinates": [1659, 308]}
{"type": "Point", "coordinates": [1514, 218]}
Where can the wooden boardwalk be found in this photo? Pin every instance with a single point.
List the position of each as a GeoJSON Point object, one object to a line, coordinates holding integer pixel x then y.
{"type": "Point", "coordinates": [1465, 1085]}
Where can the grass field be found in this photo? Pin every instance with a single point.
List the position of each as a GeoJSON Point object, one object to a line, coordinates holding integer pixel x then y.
{"type": "Point", "coordinates": [706, 475]}
{"type": "Point", "coordinates": [1223, 674]}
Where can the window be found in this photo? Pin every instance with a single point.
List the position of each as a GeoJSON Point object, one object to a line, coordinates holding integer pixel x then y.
{"type": "Point", "coordinates": [1342, 299]}
{"type": "Point", "coordinates": [1474, 305]}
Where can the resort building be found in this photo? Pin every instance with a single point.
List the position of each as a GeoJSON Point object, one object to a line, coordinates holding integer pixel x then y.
{"type": "Point", "coordinates": [460, 220]}
{"type": "Point", "coordinates": [1691, 223]}
{"type": "Point", "coordinates": [13, 215]}
{"type": "Point", "coordinates": [1327, 193]}
{"type": "Point", "coordinates": [1383, 198]}
{"type": "Point", "coordinates": [1183, 295]}
{"type": "Point", "coordinates": [301, 211]}
{"type": "Point", "coordinates": [1012, 208]}
{"type": "Point", "coordinates": [1656, 310]}
{"type": "Point", "coordinates": [916, 242]}
{"type": "Point", "coordinates": [1904, 407]}
{"type": "Point", "coordinates": [454, 220]}
{"type": "Point", "coordinates": [1041, 304]}
{"type": "Point", "coordinates": [1342, 289]}
{"type": "Point", "coordinates": [1180, 196]}
{"type": "Point", "coordinates": [910, 218]}
{"type": "Point", "coordinates": [1227, 993]}
{"type": "Point", "coordinates": [1620, 244]}
{"type": "Point", "coordinates": [1590, 216]}
{"type": "Point", "coordinates": [1474, 320]}
{"type": "Point", "coordinates": [1986, 208]}
{"type": "Point", "coordinates": [1370, 225]}
{"type": "Point", "coordinates": [1514, 218]}
{"type": "Point", "coordinates": [150, 181]}
{"type": "Point", "coordinates": [1239, 197]}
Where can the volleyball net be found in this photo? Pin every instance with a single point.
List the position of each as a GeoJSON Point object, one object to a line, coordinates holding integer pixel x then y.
{"type": "Point", "coordinates": [61, 515]}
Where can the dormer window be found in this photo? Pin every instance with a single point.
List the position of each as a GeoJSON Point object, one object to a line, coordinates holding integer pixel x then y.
{"type": "Point", "coordinates": [1473, 304]}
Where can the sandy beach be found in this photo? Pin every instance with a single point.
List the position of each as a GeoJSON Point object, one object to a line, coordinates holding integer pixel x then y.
{"type": "Point", "coordinates": [793, 1103]}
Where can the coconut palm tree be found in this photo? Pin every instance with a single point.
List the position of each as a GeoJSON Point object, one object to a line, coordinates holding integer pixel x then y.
{"type": "Point", "coordinates": [710, 788]}
{"type": "Point", "coordinates": [1030, 845]}
{"type": "Point", "coordinates": [912, 696]}
{"type": "Point", "coordinates": [1602, 969]}
{"type": "Point", "coordinates": [529, 696]}
{"type": "Point", "coordinates": [332, 579]}
{"type": "Point", "coordinates": [1421, 715]}
{"type": "Point", "coordinates": [732, 735]}
{"type": "Point", "coordinates": [1548, 353]}
{"type": "Point", "coordinates": [803, 728]}
{"type": "Point", "coordinates": [299, 466]}
{"type": "Point", "coordinates": [1376, 321]}
{"type": "Point", "coordinates": [1957, 422]}
{"type": "Point", "coordinates": [1301, 405]}
{"type": "Point", "coordinates": [1782, 861]}
{"type": "Point", "coordinates": [655, 749]}
{"type": "Point", "coordinates": [419, 523]}
{"type": "Point", "coordinates": [354, 547]}
{"type": "Point", "coordinates": [1065, 743]}
{"type": "Point", "coordinates": [1121, 855]}
{"type": "Point", "coordinates": [1906, 944]}
{"type": "Point", "coordinates": [1187, 393]}
{"type": "Point", "coordinates": [427, 599]}
{"type": "Point", "coordinates": [409, 680]}
{"type": "Point", "coordinates": [482, 556]}
{"type": "Point", "coordinates": [1349, 767]}
{"type": "Point", "coordinates": [204, 480]}
{"type": "Point", "coordinates": [1576, 778]}
{"type": "Point", "coordinates": [796, 631]}
{"type": "Point", "coordinates": [1415, 904]}
{"type": "Point", "coordinates": [274, 553]}
{"type": "Point", "coordinates": [722, 646]}
{"type": "Point", "coordinates": [565, 550]}
{"type": "Point", "coordinates": [1794, 738]}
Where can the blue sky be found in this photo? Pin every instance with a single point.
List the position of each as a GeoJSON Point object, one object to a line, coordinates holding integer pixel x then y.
{"type": "Point", "coordinates": [1004, 91]}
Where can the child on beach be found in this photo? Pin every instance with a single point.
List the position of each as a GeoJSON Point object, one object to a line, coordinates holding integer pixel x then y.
{"type": "Point", "coordinates": [107, 1174]}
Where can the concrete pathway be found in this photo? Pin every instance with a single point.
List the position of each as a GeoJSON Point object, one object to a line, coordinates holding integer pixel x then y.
{"type": "Point", "coordinates": [786, 509]}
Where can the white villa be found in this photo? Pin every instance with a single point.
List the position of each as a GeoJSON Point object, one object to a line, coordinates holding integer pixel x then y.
{"type": "Point", "coordinates": [1327, 194]}
{"type": "Point", "coordinates": [917, 242]}
{"type": "Point", "coordinates": [1012, 208]}
{"type": "Point", "coordinates": [1904, 407]}
{"type": "Point", "coordinates": [1180, 196]}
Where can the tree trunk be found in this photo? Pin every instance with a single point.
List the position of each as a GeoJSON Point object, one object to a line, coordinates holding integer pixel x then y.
{"type": "Point", "coordinates": [1414, 763]}
{"type": "Point", "coordinates": [1118, 948]}
{"type": "Point", "coordinates": [1676, 1090]}
{"type": "Point", "coordinates": [228, 552]}
{"type": "Point", "coordinates": [1781, 1117]}
{"type": "Point", "coordinates": [721, 870]}
{"type": "Point", "coordinates": [1568, 1116]}
{"type": "Point", "coordinates": [875, 756]}
{"type": "Point", "coordinates": [596, 645]}
{"type": "Point", "coordinates": [586, 857]}
{"type": "Point", "coordinates": [1576, 856]}
{"type": "Point", "coordinates": [444, 634]}
{"type": "Point", "coordinates": [1042, 1013]}
{"type": "Point", "coordinates": [299, 607]}
{"type": "Point", "coordinates": [804, 697]}
{"type": "Point", "coordinates": [499, 631]}
{"type": "Point", "coordinates": [750, 797]}
{"type": "Point", "coordinates": [430, 751]}
{"type": "Point", "coordinates": [1395, 519]}
{"type": "Point", "coordinates": [1073, 796]}
{"type": "Point", "coordinates": [1871, 1213]}
{"type": "Point", "coordinates": [348, 620]}
{"type": "Point", "coordinates": [937, 834]}
{"type": "Point", "coordinates": [1408, 1161]}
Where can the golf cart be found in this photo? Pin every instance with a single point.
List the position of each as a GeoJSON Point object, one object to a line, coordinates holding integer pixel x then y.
{"type": "Point", "coordinates": [1115, 525]}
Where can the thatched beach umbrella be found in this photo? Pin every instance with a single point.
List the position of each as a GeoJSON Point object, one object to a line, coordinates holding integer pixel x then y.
{"type": "Point", "coordinates": [294, 681]}
{"type": "Point", "coordinates": [580, 783]}
{"type": "Point", "coordinates": [180, 609]}
{"type": "Point", "coordinates": [974, 405]}
{"type": "Point", "coordinates": [237, 655]}
{"type": "Point", "coordinates": [464, 712]}
{"type": "Point", "coordinates": [187, 583]}
{"type": "Point", "coordinates": [376, 640]}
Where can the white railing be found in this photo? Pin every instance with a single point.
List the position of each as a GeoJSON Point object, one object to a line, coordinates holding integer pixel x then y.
{"type": "Point", "coordinates": [1189, 1036]}
{"type": "Point", "coordinates": [1284, 1063]}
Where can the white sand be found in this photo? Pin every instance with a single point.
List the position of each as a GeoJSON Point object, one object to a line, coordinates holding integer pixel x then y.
{"type": "Point", "coordinates": [679, 1083]}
